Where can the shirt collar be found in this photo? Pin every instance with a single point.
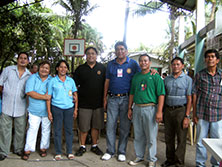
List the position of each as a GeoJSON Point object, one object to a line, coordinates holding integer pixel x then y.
{"type": "Point", "coordinates": [37, 75]}
{"type": "Point", "coordinates": [89, 66]}
{"type": "Point", "coordinates": [57, 77]}
{"type": "Point", "coordinates": [218, 71]}
{"type": "Point", "coordinates": [181, 75]}
{"type": "Point", "coordinates": [15, 67]}
{"type": "Point", "coordinates": [127, 60]}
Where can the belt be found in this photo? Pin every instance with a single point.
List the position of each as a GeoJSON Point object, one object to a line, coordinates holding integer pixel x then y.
{"type": "Point", "coordinates": [144, 105]}
{"type": "Point", "coordinates": [175, 107]}
{"type": "Point", "coordinates": [118, 95]}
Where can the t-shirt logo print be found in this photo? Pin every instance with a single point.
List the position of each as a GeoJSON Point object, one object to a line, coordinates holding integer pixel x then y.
{"type": "Point", "coordinates": [143, 85]}
{"type": "Point", "coordinates": [98, 72]}
{"type": "Point", "coordinates": [128, 70]}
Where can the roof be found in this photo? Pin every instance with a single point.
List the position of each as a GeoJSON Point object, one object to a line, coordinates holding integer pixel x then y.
{"type": "Point", "coordinates": [184, 4]}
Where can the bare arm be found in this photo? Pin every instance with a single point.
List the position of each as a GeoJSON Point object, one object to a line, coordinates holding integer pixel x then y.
{"type": "Point", "coordinates": [48, 105]}
{"type": "Point", "coordinates": [159, 114]}
{"type": "Point", "coordinates": [38, 96]}
{"type": "Point", "coordinates": [195, 119]}
{"type": "Point", "coordinates": [75, 95]}
{"type": "Point", "coordinates": [186, 120]}
{"type": "Point", "coordinates": [130, 113]}
{"type": "Point", "coordinates": [106, 87]}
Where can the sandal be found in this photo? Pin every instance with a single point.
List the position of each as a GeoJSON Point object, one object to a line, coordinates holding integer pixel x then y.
{"type": "Point", "coordinates": [43, 153]}
{"type": "Point", "coordinates": [58, 157]}
{"type": "Point", "coordinates": [25, 156]}
{"type": "Point", "coordinates": [71, 156]}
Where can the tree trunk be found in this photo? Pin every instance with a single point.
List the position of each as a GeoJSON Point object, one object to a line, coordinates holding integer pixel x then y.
{"type": "Point", "coordinates": [212, 15]}
{"type": "Point", "coordinates": [126, 21]}
{"type": "Point", "coordinates": [172, 21]}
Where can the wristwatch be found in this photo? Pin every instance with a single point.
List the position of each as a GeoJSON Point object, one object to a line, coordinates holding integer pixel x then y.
{"type": "Point", "coordinates": [187, 116]}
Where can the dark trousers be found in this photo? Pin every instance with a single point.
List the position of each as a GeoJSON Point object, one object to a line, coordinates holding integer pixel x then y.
{"type": "Point", "coordinates": [173, 121]}
{"type": "Point", "coordinates": [61, 116]}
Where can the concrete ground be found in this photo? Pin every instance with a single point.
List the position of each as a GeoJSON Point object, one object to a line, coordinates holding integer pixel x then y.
{"type": "Point", "coordinates": [89, 159]}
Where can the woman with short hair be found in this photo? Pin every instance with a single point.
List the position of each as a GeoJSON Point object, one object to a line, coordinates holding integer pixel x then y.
{"type": "Point", "coordinates": [36, 89]}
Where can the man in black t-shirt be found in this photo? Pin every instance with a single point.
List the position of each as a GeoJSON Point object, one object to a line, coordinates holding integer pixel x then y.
{"type": "Point", "coordinates": [90, 78]}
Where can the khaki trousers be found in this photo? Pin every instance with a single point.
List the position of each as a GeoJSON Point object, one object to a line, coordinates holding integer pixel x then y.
{"type": "Point", "coordinates": [6, 125]}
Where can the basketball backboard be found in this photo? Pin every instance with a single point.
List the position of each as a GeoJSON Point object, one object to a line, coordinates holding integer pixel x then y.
{"type": "Point", "coordinates": [74, 47]}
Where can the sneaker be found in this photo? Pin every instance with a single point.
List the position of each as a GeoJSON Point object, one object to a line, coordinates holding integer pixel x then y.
{"type": "Point", "coordinates": [80, 152]}
{"type": "Point", "coordinates": [20, 153]}
{"type": "Point", "coordinates": [106, 157]}
{"type": "Point", "coordinates": [121, 157]}
{"type": "Point", "coordinates": [167, 164]}
{"type": "Point", "coordinates": [96, 150]}
{"type": "Point", "coordinates": [151, 164]}
{"type": "Point", "coordinates": [2, 157]}
{"type": "Point", "coordinates": [136, 161]}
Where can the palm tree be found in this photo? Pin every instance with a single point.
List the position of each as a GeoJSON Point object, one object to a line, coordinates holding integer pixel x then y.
{"type": "Point", "coordinates": [150, 8]}
{"type": "Point", "coordinates": [214, 5]}
{"type": "Point", "coordinates": [76, 10]}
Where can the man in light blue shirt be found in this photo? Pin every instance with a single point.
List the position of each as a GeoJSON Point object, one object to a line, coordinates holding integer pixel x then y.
{"type": "Point", "coordinates": [176, 115]}
{"type": "Point", "coordinates": [12, 86]}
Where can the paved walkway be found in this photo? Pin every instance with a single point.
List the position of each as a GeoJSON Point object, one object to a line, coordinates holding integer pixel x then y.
{"type": "Point", "coordinates": [89, 159]}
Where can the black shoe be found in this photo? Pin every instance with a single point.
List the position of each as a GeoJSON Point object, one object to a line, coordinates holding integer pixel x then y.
{"type": "Point", "coordinates": [80, 152]}
{"type": "Point", "coordinates": [96, 150]}
{"type": "Point", "coordinates": [20, 153]}
{"type": "Point", "coordinates": [167, 164]}
{"type": "Point", "coordinates": [2, 157]}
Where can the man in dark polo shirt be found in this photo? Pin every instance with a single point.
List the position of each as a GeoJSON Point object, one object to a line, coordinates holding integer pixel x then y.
{"type": "Point", "coordinates": [90, 78]}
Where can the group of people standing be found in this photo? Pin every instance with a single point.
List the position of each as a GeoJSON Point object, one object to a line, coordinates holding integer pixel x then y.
{"type": "Point", "coordinates": [127, 91]}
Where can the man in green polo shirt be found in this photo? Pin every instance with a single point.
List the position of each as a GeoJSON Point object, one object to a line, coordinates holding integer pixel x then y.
{"type": "Point", "coordinates": [147, 92]}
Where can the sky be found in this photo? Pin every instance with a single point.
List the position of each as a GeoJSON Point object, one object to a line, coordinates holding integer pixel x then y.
{"type": "Point", "coordinates": [108, 19]}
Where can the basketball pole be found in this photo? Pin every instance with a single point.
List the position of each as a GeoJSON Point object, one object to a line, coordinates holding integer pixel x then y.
{"type": "Point", "coordinates": [73, 63]}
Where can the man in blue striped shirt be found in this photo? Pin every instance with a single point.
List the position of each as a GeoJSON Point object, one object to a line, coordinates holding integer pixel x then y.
{"type": "Point", "coordinates": [176, 115]}
{"type": "Point", "coordinates": [12, 87]}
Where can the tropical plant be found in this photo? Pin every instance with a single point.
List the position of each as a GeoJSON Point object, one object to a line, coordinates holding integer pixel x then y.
{"type": "Point", "coordinates": [76, 9]}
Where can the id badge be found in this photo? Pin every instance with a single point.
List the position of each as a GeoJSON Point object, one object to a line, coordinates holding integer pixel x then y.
{"type": "Point", "coordinates": [119, 72]}
{"type": "Point", "coordinates": [70, 93]}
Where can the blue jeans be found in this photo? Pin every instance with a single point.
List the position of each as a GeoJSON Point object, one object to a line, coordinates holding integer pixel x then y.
{"type": "Point", "coordinates": [61, 116]}
{"type": "Point", "coordinates": [117, 107]}
{"type": "Point", "coordinates": [145, 131]}
{"type": "Point", "coordinates": [203, 127]}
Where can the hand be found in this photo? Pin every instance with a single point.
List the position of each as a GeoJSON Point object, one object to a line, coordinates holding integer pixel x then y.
{"type": "Point", "coordinates": [159, 117]}
{"type": "Point", "coordinates": [186, 122]}
{"type": "Point", "coordinates": [50, 117]}
{"type": "Point", "coordinates": [153, 72]}
{"type": "Point", "coordinates": [130, 114]}
{"type": "Point", "coordinates": [195, 119]}
{"type": "Point", "coordinates": [75, 114]}
{"type": "Point", "coordinates": [47, 97]}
